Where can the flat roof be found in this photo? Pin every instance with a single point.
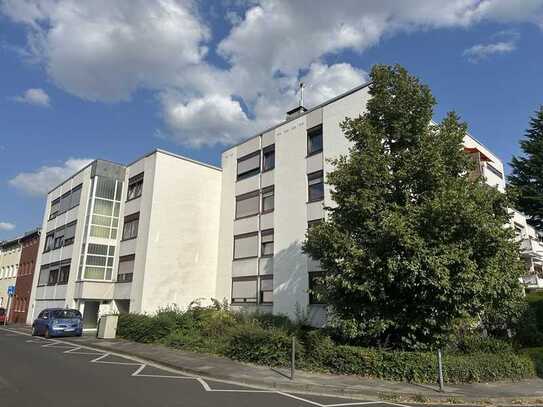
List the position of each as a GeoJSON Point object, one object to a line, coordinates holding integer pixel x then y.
{"type": "Point", "coordinates": [156, 150]}
{"type": "Point", "coordinates": [334, 99]}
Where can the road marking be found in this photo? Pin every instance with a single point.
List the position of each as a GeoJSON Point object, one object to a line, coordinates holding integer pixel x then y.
{"type": "Point", "coordinates": [75, 349]}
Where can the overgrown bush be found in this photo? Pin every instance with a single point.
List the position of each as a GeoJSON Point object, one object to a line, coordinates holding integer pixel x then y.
{"type": "Point", "coordinates": [530, 326]}
{"type": "Point", "coordinates": [476, 343]}
{"type": "Point", "coordinates": [270, 347]}
{"type": "Point", "coordinates": [267, 340]}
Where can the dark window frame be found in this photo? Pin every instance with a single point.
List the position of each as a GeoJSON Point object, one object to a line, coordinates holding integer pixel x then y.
{"type": "Point", "coordinates": [494, 170]}
{"type": "Point", "coordinates": [267, 150]}
{"type": "Point", "coordinates": [252, 172]}
{"type": "Point", "coordinates": [125, 277]}
{"type": "Point", "coordinates": [242, 197]}
{"type": "Point", "coordinates": [133, 181]}
{"type": "Point", "coordinates": [267, 190]}
{"type": "Point", "coordinates": [261, 292]}
{"type": "Point", "coordinates": [313, 176]}
{"type": "Point", "coordinates": [267, 232]}
{"type": "Point", "coordinates": [247, 278]}
{"type": "Point", "coordinates": [63, 276]}
{"type": "Point", "coordinates": [135, 217]}
{"type": "Point", "coordinates": [241, 236]}
{"type": "Point", "coordinates": [312, 132]}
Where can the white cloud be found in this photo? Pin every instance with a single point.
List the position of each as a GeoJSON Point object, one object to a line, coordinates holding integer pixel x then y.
{"type": "Point", "coordinates": [41, 181]}
{"type": "Point", "coordinates": [105, 50]}
{"type": "Point", "coordinates": [504, 43]}
{"type": "Point", "coordinates": [36, 97]}
{"type": "Point", "coordinates": [482, 51]}
{"type": "Point", "coordinates": [7, 226]}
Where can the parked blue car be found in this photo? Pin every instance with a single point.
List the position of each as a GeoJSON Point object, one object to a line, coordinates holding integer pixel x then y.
{"type": "Point", "coordinates": [58, 322]}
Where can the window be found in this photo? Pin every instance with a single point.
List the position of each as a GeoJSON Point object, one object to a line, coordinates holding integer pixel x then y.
{"type": "Point", "coordinates": [54, 209]}
{"type": "Point", "coordinates": [59, 238]}
{"type": "Point", "coordinates": [314, 140]}
{"type": "Point", "coordinates": [247, 204]}
{"type": "Point", "coordinates": [315, 182]}
{"type": "Point", "coordinates": [99, 262]}
{"type": "Point", "coordinates": [266, 290]}
{"type": "Point", "coordinates": [249, 165]}
{"type": "Point", "coordinates": [76, 196]}
{"type": "Point", "coordinates": [244, 290]}
{"type": "Point", "coordinates": [64, 274]}
{"type": "Point", "coordinates": [130, 228]}
{"type": "Point", "coordinates": [49, 239]}
{"type": "Point", "coordinates": [494, 170]}
{"type": "Point", "coordinates": [53, 277]}
{"type": "Point", "coordinates": [135, 187]}
{"type": "Point", "coordinates": [316, 288]}
{"type": "Point", "coordinates": [246, 246]}
{"type": "Point", "coordinates": [268, 203]}
{"type": "Point", "coordinates": [126, 269]}
{"type": "Point", "coordinates": [266, 242]}
{"type": "Point", "coordinates": [69, 234]}
{"type": "Point", "coordinates": [268, 158]}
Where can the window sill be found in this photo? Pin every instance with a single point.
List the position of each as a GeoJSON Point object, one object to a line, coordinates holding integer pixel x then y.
{"type": "Point", "coordinates": [244, 177]}
{"type": "Point", "coordinates": [313, 153]}
{"type": "Point", "coordinates": [130, 238]}
{"type": "Point", "coordinates": [315, 200]}
{"type": "Point", "coordinates": [133, 199]}
{"type": "Point", "coordinates": [268, 170]}
{"type": "Point", "coordinates": [244, 302]}
{"type": "Point", "coordinates": [245, 258]}
{"type": "Point", "coordinates": [266, 256]}
{"type": "Point", "coordinates": [247, 217]}
{"type": "Point", "coordinates": [267, 211]}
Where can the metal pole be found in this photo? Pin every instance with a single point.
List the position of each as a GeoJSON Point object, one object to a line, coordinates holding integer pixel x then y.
{"type": "Point", "coordinates": [293, 358]}
{"type": "Point", "coordinates": [6, 316]}
{"type": "Point", "coordinates": [440, 370]}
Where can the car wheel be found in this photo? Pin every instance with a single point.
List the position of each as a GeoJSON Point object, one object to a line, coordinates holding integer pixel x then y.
{"type": "Point", "coordinates": [34, 331]}
{"type": "Point", "coordinates": [46, 333]}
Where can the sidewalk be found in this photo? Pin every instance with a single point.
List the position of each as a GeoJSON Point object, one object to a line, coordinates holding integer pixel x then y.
{"type": "Point", "coordinates": [216, 367]}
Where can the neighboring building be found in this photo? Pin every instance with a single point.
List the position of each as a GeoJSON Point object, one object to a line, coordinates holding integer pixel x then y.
{"type": "Point", "coordinates": [10, 255]}
{"type": "Point", "coordinates": [132, 238]}
{"type": "Point", "coordinates": [531, 248]}
{"type": "Point", "coordinates": [23, 286]}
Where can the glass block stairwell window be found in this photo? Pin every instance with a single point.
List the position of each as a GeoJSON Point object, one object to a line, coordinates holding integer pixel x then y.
{"type": "Point", "coordinates": [97, 254]}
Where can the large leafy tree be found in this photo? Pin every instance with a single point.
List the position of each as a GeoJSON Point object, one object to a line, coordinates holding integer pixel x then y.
{"type": "Point", "coordinates": [414, 243]}
{"type": "Point", "coordinates": [526, 179]}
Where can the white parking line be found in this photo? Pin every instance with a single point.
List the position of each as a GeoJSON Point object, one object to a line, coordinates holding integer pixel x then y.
{"type": "Point", "coordinates": [80, 349]}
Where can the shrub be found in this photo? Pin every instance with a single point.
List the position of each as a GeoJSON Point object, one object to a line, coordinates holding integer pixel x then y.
{"type": "Point", "coordinates": [319, 349]}
{"type": "Point", "coordinates": [421, 366]}
{"type": "Point", "coordinates": [474, 343]}
{"type": "Point", "coordinates": [255, 344]}
{"type": "Point", "coordinates": [530, 326]}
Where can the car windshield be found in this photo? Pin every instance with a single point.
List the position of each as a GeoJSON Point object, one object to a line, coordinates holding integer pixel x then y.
{"type": "Point", "coordinates": [65, 314]}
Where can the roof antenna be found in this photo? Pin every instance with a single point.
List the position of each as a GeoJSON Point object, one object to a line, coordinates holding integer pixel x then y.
{"type": "Point", "coordinates": [301, 94]}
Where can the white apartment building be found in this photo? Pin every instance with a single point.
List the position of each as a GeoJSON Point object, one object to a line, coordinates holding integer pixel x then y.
{"type": "Point", "coordinates": [132, 238]}
{"type": "Point", "coordinates": [273, 190]}
{"type": "Point", "coordinates": [10, 255]}
{"type": "Point", "coordinates": [167, 230]}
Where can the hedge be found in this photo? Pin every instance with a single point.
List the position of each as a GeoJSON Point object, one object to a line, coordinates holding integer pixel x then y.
{"type": "Point", "coordinates": [260, 342]}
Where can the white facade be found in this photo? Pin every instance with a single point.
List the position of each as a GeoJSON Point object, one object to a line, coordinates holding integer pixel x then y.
{"type": "Point", "coordinates": [10, 254]}
{"type": "Point", "coordinates": [248, 275]}
{"type": "Point", "coordinates": [246, 272]}
{"type": "Point", "coordinates": [131, 239]}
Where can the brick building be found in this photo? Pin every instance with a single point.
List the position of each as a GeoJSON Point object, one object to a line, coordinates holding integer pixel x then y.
{"type": "Point", "coordinates": [30, 243]}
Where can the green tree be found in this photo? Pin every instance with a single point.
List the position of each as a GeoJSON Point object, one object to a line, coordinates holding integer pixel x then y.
{"type": "Point", "coordinates": [414, 243]}
{"type": "Point", "coordinates": [526, 179]}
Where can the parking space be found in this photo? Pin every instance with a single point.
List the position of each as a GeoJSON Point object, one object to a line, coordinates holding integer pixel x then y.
{"type": "Point", "coordinates": [82, 376]}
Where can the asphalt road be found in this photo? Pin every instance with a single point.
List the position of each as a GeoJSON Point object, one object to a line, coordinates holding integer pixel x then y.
{"type": "Point", "coordinates": [39, 372]}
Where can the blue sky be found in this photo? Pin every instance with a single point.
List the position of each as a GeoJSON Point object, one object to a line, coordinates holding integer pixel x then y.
{"type": "Point", "coordinates": [115, 79]}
